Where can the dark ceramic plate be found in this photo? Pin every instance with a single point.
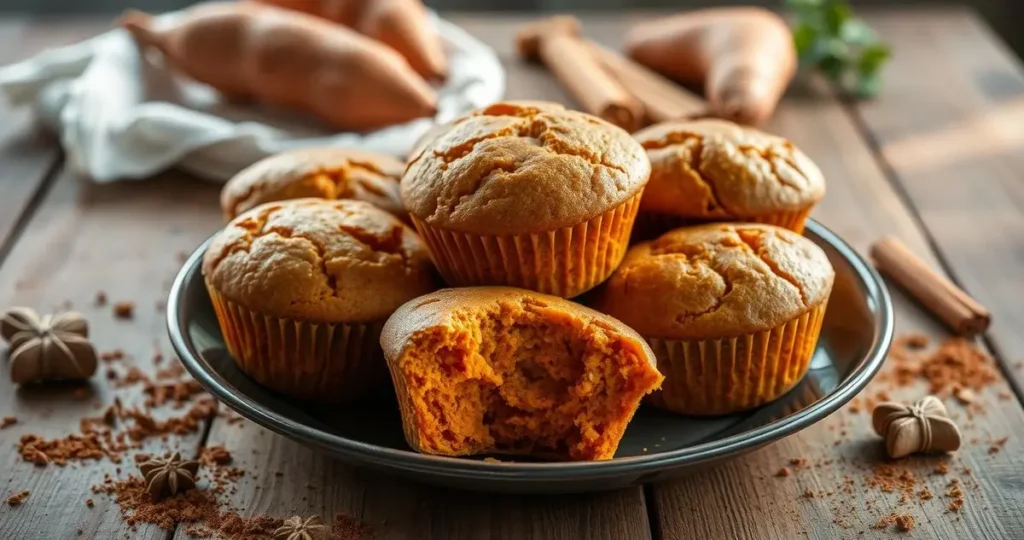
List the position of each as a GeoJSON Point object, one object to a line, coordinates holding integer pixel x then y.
{"type": "Point", "coordinates": [857, 330]}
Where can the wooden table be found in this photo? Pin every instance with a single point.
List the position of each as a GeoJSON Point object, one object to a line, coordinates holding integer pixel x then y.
{"type": "Point", "coordinates": [938, 160]}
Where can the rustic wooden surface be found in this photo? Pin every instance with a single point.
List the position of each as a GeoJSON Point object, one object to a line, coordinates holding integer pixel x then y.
{"type": "Point", "coordinates": [936, 160]}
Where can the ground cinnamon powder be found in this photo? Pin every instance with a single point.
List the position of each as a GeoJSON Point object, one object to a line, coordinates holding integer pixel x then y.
{"type": "Point", "coordinates": [953, 368]}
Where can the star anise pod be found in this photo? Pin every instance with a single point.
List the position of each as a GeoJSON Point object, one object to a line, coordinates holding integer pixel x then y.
{"type": "Point", "coordinates": [168, 476]}
{"type": "Point", "coordinates": [295, 528]}
{"type": "Point", "coordinates": [47, 348]}
{"type": "Point", "coordinates": [922, 427]}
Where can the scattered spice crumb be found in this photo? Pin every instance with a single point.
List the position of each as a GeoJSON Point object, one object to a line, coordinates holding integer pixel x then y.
{"type": "Point", "coordinates": [101, 298]}
{"type": "Point", "coordinates": [89, 503]}
{"type": "Point", "coordinates": [217, 454]}
{"type": "Point", "coordinates": [17, 498]}
{"type": "Point", "coordinates": [7, 422]}
{"type": "Point", "coordinates": [783, 472]}
{"type": "Point", "coordinates": [798, 462]}
{"type": "Point", "coordinates": [997, 445]}
{"type": "Point", "coordinates": [124, 310]}
{"type": "Point", "coordinates": [904, 522]}
{"type": "Point", "coordinates": [346, 527]}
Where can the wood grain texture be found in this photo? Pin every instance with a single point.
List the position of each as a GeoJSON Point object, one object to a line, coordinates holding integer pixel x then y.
{"type": "Point", "coordinates": [28, 152]}
{"type": "Point", "coordinates": [952, 133]}
{"type": "Point", "coordinates": [284, 478]}
{"type": "Point", "coordinates": [122, 239]}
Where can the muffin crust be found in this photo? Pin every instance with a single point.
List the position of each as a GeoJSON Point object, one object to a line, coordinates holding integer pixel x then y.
{"type": "Point", "coordinates": [319, 260]}
{"type": "Point", "coordinates": [325, 173]}
{"type": "Point", "coordinates": [522, 167]}
{"type": "Point", "coordinates": [717, 281]}
{"type": "Point", "coordinates": [717, 169]}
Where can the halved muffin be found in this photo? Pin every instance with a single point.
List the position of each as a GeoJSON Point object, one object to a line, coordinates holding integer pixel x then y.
{"type": "Point", "coordinates": [501, 370]}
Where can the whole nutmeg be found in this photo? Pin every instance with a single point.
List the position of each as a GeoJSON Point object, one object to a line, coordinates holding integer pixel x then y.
{"type": "Point", "coordinates": [919, 428]}
{"type": "Point", "coordinates": [52, 347]}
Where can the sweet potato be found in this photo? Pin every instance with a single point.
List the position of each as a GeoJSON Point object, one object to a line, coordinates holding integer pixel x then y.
{"type": "Point", "coordinates": [289, 59]}
{"type": "Point", "coordinates": [743, 57]}
{"type": "Point", "coordinates": [399, 24]}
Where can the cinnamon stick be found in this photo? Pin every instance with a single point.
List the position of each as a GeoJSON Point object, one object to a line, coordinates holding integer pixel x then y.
{"type": "Point", "coordinates": [662, 98]}
{"type": "Point", "coordinates": [556, 42]}
{"type": "Point", "coordinates": [943, 298]}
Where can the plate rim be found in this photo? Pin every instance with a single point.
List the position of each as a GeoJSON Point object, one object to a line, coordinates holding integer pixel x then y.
{"type": "Point", "coordinates": [457, 467]}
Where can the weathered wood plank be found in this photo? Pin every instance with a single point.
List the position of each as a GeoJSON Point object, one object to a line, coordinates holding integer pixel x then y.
{"type": "Point", "coordinates": [744, 499]}
{"type": "Point", "coordinates": [122, 239]}
{"type": "Point", "coordinates": [950, 125]}
{"type": "Point", "coordinates": [28, 153]}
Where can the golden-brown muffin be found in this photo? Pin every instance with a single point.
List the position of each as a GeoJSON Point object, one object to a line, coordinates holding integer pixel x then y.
{"type": "Point", "coordinates": [527, 194]}
{"type": "Point", "coordinates": [732, 312]}
{"type": "Point", "coordinates": [715, 170]}
{"type": "Point", "coordinates": [324, 173]}
{"type": "Point", "coordinates": [302, 287]}
{"type": "Point", "coordinates": [502, 370]}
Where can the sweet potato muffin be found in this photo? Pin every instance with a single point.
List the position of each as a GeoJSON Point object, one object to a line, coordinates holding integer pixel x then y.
{"type": "Point", "coordinates": [732, 311]}
{"type": "Point", "coordinates": [302, 288]}
{"type": "Point", "coordinates": [715, 170]}
{"type": "Point", "coordinates": [501, 370]}
{"type": "Point", "coordinates": [527, 194]}
{"type": "Point", "coordinates": [324, 173]}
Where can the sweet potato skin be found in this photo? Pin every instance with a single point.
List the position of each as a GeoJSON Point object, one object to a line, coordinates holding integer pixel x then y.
{"type": "Point", "coordinates": [744, 57]}
{"type": "Point", "coordinates": [289, 59]}
{"type": "Point", "coordinates": [400, 24]}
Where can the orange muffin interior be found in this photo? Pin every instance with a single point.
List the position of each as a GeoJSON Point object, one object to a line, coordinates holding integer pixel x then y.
{"type": "Point", "coordinates": [524, 379]}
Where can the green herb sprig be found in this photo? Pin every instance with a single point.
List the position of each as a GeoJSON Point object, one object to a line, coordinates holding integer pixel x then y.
{"type": "Point", "coordinates": [831, 39]}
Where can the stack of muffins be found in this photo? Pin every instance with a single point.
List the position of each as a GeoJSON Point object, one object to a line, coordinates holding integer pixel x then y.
{"type": "Point", "coordinates": [322, 288]}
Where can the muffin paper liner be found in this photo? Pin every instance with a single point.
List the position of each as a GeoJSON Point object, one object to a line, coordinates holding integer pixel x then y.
{"type": "Point", "coordinates": [650, 225]}
{"type": "Point", "coordinates": [722, 376]}
{"type": "Point", "coordinates": [326, 362]}
{"type": "Point", "coordinates": [410, 428]}
{"type": "Point", "coordinates": [564, 262]}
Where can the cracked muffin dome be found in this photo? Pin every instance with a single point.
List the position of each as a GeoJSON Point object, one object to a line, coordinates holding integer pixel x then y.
{"type": "Point", "coordinates": [501, 370]}
{"type": "Point", "coordinates": [319, 260]}
{"type": "Point", "coordinates": [526, 194]}
{"type": "Point", "coordinates": [732, 312]}
{"type": "Point", "coordinates": [521, 167]}
{"type": "Point", "coordinates": [717, 280]}
{"type": "Point", "coordinates": [715, 170]}
{"type": "Point", "coordinates": [325, 173]}
{"type": "Point", "coordinates": [301, 289]}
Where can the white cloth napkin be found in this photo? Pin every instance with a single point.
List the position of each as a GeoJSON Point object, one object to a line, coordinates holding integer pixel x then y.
{"type": "Point", "coordinates": [120, 116]}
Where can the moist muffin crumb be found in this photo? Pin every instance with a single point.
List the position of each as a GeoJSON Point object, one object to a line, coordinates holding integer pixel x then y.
{"type": "Point", "coordinates": [500, 370]}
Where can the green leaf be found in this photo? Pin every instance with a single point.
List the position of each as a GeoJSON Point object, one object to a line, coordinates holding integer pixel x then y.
{"type": "Point", "coordinates": [837, 13]}
{"type": "Point", "coordinates": [872, 58]}
{"type": "Point", "coordinates": [856, 32]}
{"type": "Point", "coordinates": [830, 39]}
{"type": "Point", "coordinates": [868, 85]}
{"type": "Point", "coordinates": [804, 38]}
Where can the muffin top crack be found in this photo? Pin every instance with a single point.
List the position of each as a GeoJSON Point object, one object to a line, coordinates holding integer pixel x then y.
{"type": "Point", "coordinates": [522, 167]}
{"type": "Point", "coordinates": [717, 280]}
{"type": "Point", "coordinates": [314, 259]}
{"type": "Point", "coordinates": [714, 169]}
